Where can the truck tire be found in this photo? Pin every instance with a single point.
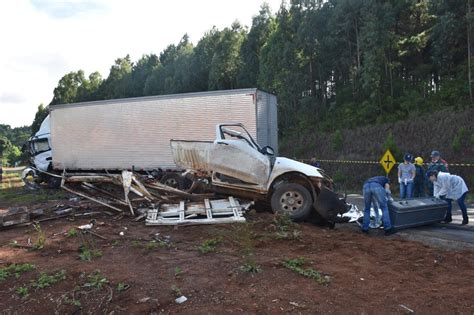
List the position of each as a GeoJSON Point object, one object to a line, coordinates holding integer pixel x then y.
{"type": "Point", "coordinates": [173, 180]}
{"type": "Point", "coordinates": [292, 199]}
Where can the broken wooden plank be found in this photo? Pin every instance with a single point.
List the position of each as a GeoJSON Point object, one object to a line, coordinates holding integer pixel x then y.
{"type": "Point", "coordinates": [105, 192]}
{"type": "Point", "coordinates": [90, 198]}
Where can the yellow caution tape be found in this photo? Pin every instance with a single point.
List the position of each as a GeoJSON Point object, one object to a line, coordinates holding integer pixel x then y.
{"type": "Point", "coordinates": [375, 162]}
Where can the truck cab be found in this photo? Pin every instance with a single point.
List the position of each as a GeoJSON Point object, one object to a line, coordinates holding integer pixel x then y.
{"type": "Point", "coordinates": [39, 148]}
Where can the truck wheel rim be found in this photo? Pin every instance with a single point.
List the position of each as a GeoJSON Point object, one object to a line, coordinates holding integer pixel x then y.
{"type": "Point", "coordinates": [291, 201]}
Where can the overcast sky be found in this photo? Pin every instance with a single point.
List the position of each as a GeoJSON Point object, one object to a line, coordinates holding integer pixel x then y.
{"type": "Point", "coordinates": [42, 40]}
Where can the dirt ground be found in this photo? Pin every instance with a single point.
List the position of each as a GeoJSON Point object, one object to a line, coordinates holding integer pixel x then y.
{"type": "Point", "coordinates": [239, 268]}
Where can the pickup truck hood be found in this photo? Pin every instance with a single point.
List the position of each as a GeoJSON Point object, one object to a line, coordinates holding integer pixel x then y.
{"type": "Point", "coordinates": [283, 165]}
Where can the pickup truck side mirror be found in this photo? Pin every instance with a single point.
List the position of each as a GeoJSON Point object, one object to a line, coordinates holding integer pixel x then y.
{"type": "Point", "coordinates": [268, 151]}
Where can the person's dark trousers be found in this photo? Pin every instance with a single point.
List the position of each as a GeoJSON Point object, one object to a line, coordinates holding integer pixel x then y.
{"type": "Point", "coordinates": [461, 205]}
{"type": "Point", "coordinates": [419, 190]}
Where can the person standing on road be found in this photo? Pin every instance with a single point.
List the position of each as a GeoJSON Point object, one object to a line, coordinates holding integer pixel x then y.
{"type": "Point", "coordinates": [406, 176]}
{"type": "Point", "coordinates": [377, 188]}
{"type": "Point", "coordinates": [450, 187]}
{"type": "Point", "coordinates": [437, 164]}
{"type": "Point", "coordinates": [419, 182]}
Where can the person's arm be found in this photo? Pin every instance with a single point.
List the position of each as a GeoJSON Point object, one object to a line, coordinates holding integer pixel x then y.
{"type": "Point", "coordinates": [441, 186]}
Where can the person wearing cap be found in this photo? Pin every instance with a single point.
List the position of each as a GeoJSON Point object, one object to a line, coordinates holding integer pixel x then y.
{"type": "Point", "coordinates": [437, 164]}
{"type": "Point", "coordinates": [450, 187]}
{"type": "Point", "coordinates": [377, 189]}
{"type": "Point", "coordinates": [419, 182]}
{"type": "Point", "coordinates": [406, 176]}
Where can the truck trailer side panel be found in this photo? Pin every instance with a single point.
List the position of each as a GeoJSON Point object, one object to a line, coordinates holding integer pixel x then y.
{"type": "Point", "coordinates": [135, 133]}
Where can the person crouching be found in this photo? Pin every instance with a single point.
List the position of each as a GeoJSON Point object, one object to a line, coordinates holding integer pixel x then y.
{"type": "Point", "coordinates": [376, 188]}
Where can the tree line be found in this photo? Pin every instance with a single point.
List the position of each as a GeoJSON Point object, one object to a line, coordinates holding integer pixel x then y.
{"type": "Point", "coordinates": [332, 64]}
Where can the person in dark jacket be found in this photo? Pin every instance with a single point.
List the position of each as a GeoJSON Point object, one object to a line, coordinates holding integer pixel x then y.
{"type": "Point", "coordinates": [419, 187]}
{"type": "Point", "coordinates": [437, 164]}
{"type": "Point", "coordinates": [376, 188]}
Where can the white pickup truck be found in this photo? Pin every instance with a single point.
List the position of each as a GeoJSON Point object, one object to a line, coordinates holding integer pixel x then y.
{"type": "Point", "coordinates": [235, 164]}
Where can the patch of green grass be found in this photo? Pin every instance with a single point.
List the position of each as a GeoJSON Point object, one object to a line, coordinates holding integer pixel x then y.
{"type": "Point", "coordinates": [209, 245]}
{"type": "Point", "coordinates": [151, 245]}
{"type": "Point", "coordinates": [22, 291]}
{"type": "Point", "coordinates": [96, 280]}
{"type": "Point", "coordinates": [22, 195]}
{"type": "Point", "coordinates": [46, 280]}
{"type": "Point", "coordinates": [72, 301]}
{"type": "Point", "coordinates": [15, 269]}
{"type": "Point", "coordinates": [296, 265]}
{"type": "Point", "coordinates": [115, 243]}
{"type": "Point", "coordinates": [14, 244]}
{"type": "Point", "coordinates": [72, 232]}
{"type": "Point", "coordinates": [87, 254]}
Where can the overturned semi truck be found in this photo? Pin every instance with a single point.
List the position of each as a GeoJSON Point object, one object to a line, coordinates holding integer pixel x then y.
{"type": "Point", "coordinates": [135, 133]}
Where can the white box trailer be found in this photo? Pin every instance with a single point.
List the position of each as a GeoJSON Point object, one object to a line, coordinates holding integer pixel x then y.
{"type": "Point", "coordinates": [135, 133]}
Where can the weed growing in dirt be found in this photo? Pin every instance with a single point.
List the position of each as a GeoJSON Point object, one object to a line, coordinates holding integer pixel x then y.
{"type": "Point", "coordinates": [178, 272]}
{"type": "Point", "coordinates": [72, 232]}
{"type": "Point", "coordinates": [115, 243]}
{"type": "Point", "coordinates": [45, 280]}
{"type": "Point", "coordinates": [16, 269]}
{"type": "Point", "coordinates": [285, 227]}
{"type": "Point", "coordinates": [41, 237]}
{"type": "Point", "coordinates": [251, 267]}
{"type": "Point", "coordinates": [22, 292]}
{"type": "Point", "coordinates": [135, 243]}
{"type": "Point", "coordinates": [209, 245]}
{"type": "Point", "coordinates": [122, 287]}
{"type": "Point", "coordinates": [176, 290]}
{"type": "Point", "coordinates": [296, 265]}
{"type": "Point", "coordinates": [87, 254]}
{"type": "Point", "coordinates": [96, 280]}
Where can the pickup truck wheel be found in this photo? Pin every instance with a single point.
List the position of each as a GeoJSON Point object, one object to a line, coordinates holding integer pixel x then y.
{"type": "Point", "coordinates": [292, 199]}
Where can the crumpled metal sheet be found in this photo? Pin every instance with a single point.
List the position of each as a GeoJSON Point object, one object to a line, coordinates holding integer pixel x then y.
{"type": "Point", "coordinates": [233, 158]}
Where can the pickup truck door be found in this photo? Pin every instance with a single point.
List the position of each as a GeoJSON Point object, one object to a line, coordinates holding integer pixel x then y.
{"type": "Point", "coordinates": [237, 159]}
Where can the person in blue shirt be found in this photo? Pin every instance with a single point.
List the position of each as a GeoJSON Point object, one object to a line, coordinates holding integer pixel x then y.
{"type": "Point", "coordinates": [377, 188]}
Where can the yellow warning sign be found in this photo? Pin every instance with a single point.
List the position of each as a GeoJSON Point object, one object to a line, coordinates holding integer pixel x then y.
{"type": "Point", "coordinates": [388, 161]}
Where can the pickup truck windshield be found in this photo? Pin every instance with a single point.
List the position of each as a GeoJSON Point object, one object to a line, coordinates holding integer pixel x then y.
{"type": "Point", "coordinates": [238, 132]}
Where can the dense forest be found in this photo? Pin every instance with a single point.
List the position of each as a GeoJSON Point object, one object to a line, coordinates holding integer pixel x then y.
{"type": "Point", "coordinates": [333, 64]}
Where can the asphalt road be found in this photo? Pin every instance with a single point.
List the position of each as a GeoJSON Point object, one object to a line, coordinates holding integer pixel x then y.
{"type": "Point", "coordinates": [449, 236]}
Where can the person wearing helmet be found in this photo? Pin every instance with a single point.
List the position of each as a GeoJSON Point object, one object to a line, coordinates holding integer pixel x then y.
{"type": "Point", "coordinates": [450, 187]}
{"type": "Point", "coordinates": [419, 182]}
{"type": "Point", "coordinates": [437, 164]}
{"type": "Point", "coordinates": [406, 175]}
